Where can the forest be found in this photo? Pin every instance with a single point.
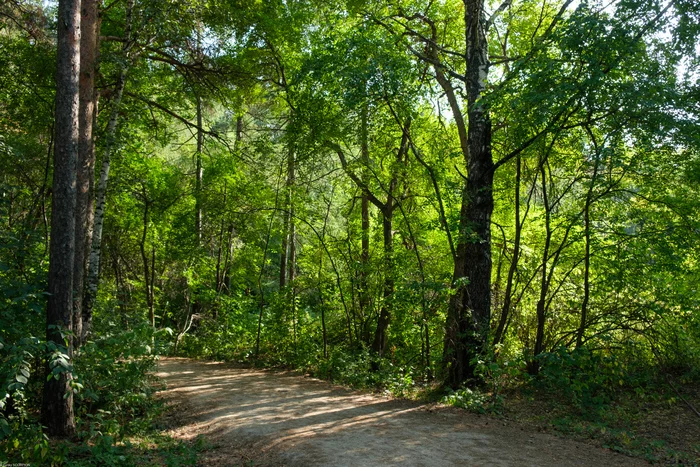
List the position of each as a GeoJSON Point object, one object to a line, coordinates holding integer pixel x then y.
{"type": "Point", "coordinates": [472, 202]}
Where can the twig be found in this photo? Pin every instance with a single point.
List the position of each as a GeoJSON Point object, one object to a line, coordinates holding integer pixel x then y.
{"type": "Point", "coordinates": [692, 407]}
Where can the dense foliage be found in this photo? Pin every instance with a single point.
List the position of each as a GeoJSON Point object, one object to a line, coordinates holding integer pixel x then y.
{"type": "Point", "coordinates": [287, 187]}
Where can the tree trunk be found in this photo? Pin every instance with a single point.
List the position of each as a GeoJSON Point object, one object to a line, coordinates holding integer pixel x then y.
{"type": "Point", "coordinates": [587, 252]}
{"type": "Point", "coordinates": [261, 290]}
{"type": "Point", "coordinates": [86, 159]}
{"type": "Point", "coordinates": [57, 404]}
{"type": "Point", "coordinates": [533, 365]}
{"type": "Point", "coordinates": [324, 331]}
{"type": "Point", "coordinates": [387, 209]}
{"type": "Point", "coordinates": [101, 193]}
{"type": "Point", "coordinates": [199, 172]}
{"type": "Point", "coordinates": [508, 295]}
{"type": "Point", "coordinates": [122, 291]}
{"type": "Point", "coordinates": [469, 311]}
{"type": "Point", "coordinates": [284, 250]}
{"type": "Point", "coordinates": [586, 273]}
{"type": "Point", "coordinates": [380, 335]}
{"type": "Point", "coordinates": [292, 231]}
{"type": "Point", "coordinates": [364, 295]}
{"type": "Point", "coordinates": [148, 265]}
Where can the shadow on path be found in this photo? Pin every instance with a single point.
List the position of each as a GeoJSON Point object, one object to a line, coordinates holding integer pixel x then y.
{"type": "Point", "coordinates": [258, 417]}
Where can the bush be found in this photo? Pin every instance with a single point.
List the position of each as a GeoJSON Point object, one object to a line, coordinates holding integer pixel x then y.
{"type": "Point", "coordinates": [116, 373]}
{"type": "Point", "coordinates": [589, 380]}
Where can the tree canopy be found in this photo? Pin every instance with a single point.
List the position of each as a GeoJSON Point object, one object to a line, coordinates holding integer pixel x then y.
{"type": "Point", "coordinates": [372, 191]}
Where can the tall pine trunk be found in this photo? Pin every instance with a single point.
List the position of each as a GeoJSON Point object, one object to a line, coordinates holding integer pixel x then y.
{"type": "Point", "coordinates": [86, 160]}
{"type": "Point", "coordinates": [57, 404]}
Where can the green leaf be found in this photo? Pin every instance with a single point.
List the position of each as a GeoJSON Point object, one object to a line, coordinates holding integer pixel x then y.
{"type": "Point", "coordinates": [4, 428]}
{"type": "Point", "coordinates": [21, 378]}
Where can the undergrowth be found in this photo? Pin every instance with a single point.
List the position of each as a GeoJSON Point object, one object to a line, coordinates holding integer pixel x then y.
{"type": "Point", "coordinates": [611, 400]}
{"type": "Point", "coordinates": [591, 394]}
{"type": "Point", "coordinates": [115, 411]}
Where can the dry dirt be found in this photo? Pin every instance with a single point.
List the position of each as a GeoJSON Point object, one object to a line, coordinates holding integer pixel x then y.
{"type": "Point", "coordinates": [258, 417]}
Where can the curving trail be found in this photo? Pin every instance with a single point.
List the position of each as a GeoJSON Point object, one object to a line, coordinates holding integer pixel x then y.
{"type": "Point", "coordinates": [257, 417]}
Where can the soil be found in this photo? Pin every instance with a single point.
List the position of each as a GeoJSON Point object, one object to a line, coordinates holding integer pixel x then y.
{"type": "Point", "coordinates": [263, 417]}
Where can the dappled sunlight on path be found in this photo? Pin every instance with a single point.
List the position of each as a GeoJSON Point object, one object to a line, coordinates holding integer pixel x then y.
{"type": "Point", "coordinates": [278, 418]}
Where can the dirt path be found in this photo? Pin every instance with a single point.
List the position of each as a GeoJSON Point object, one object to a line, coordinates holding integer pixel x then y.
{"type": "Point", "coordinates": [256, 417]}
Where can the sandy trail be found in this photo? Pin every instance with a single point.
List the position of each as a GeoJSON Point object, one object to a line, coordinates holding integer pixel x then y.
{"type": "Point", "coordinates": [256, 417]}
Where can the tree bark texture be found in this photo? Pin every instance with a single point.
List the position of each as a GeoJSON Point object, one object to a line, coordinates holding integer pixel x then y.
{"type": "Point", "coordinates": [86, 160]}
{"type": "Point", "coordinates": [469, 311]}
{"type": "Point", "coordinates": [57, 404]}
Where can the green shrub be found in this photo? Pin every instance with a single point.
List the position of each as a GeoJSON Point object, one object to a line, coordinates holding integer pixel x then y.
{"type": "Point", "coordinates": [590, 379]}
{"type": "Point", "coordinates": [116, 372]}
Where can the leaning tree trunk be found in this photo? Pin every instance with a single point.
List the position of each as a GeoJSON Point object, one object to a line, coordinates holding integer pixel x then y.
{"type": "Point", "coordinates": [469, 311]}
{"type": "Point", "coordinates": [86, 160]}
{"type": "Point", "coordinates": [57, 404]}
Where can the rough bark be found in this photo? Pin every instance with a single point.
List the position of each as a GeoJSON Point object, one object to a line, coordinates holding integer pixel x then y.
{"type": "Point", "coordinates": [469, 310]}
{"type": "Point", "coordinates": [57, 404]}
{"type": "Point", "coordinates": [100, 202]}
{"type": "Point", "coordinates": [86, 160]}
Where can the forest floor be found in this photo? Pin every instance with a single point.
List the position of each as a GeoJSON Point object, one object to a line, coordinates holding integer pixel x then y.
{"type": "Point", "coordinates": [253, 417]}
